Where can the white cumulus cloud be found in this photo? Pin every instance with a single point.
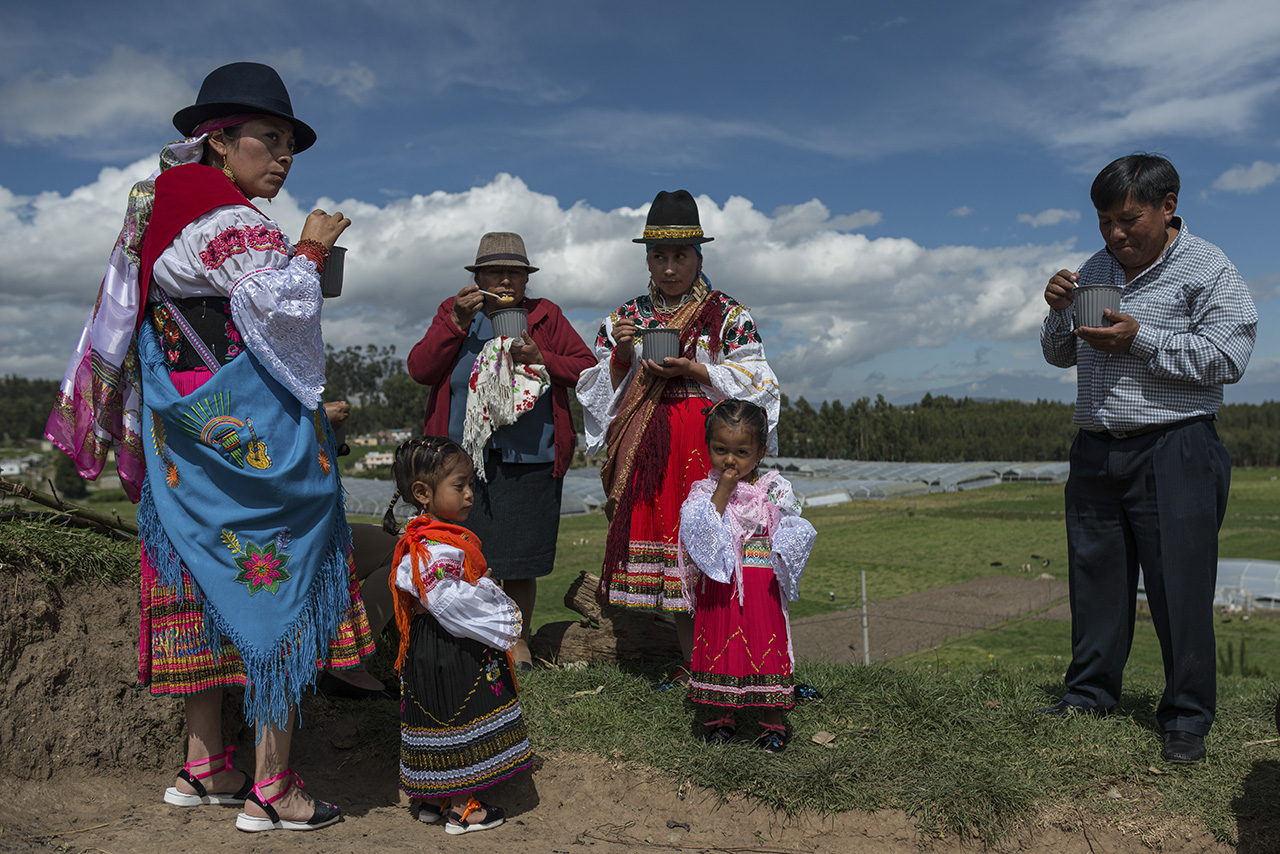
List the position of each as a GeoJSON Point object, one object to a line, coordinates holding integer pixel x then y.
{"type": "Point", "coordinates": [1248, 179]}
{"type": "Point", "coordinates": [1052, 216]}
{"type": "Point", "coordinates": [126, 89]}
{"type": "Point", "coordinates": [825, 298]}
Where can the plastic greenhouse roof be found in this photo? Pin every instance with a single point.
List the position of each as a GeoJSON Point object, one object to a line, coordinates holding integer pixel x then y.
{"type": "Point", "coordinates": [817, 482]}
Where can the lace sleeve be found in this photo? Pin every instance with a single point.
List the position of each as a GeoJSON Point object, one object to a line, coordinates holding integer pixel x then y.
{"type": "Point", "coordinates": [275, 301]}
{"type": "Point", "coordinates": [706, 538]}
{"type": "Point", "coordinates": [792, 540]}
{"type": "Point", "coordinates": [480, 611]}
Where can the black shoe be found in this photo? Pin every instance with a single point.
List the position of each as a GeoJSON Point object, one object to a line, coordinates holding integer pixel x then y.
{"type": "Point", "coordinates": [1183, 748]}
{"type": "Point", "coordinates": [1063, 709]}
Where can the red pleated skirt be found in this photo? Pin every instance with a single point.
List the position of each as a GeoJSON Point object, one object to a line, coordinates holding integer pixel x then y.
{"type": "Point", "coordinates": [651, 577]}
{"type": "Point", "coordinates": [741, 652]}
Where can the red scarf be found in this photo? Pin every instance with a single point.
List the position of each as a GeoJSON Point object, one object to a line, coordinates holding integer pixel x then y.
{"type": "Point", "coordinates": [413, 542]}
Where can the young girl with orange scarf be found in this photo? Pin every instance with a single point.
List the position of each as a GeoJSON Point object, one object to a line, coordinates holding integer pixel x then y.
{"type": "Point", "coordinates": [461, 729]}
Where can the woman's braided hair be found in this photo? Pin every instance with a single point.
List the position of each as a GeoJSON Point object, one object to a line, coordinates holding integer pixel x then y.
{"type": "Point", "coordinates": [738, 413]}
{"type": "Point", "coordinates": [426, 459]}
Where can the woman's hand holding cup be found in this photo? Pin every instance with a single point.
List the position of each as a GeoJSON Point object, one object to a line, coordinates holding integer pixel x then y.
{"type": "Point", "coordinates": [325, 228]}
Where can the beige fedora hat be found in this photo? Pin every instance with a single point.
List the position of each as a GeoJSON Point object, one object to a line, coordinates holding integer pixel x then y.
{"type": "Point", "coordinates": [501, 249]}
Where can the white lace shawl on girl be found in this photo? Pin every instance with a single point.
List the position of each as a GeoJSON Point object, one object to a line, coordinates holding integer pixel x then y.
{"type": "Point", "coordinates": [769, 507]}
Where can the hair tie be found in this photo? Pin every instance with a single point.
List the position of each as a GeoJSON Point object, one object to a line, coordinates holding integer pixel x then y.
{"type": "Point", "coordinates": [394, 498]}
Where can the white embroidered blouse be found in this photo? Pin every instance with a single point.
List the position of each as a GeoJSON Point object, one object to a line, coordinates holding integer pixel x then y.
{"type": "Point", "coordinates": [738, 369]}
{"type": "Point", "coordinates": [236, 252]}
{"type": "Point", "coordinates": [480, 611]}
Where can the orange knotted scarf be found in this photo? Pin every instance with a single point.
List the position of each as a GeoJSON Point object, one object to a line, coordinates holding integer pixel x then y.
{"type": "Point", "coordinates": [420, 529]}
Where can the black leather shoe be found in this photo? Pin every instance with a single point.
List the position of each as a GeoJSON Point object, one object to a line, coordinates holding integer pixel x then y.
{"type": "Point", "coordinates": [1062, 709]}
{"type": "Point", "coordinates": [1183, 748]}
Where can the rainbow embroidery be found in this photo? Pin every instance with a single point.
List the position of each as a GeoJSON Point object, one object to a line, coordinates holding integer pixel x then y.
{"type": "Point", "coordinates": [210, 422]}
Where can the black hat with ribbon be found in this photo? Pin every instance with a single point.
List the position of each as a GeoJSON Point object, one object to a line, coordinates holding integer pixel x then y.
{"type": "Point", "coordinates": [244, 87]}
{"type": "Point", "coordinates": [673, 219]}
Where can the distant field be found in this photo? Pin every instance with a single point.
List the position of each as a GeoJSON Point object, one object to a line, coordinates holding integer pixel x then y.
{"type": "Point", "coordinates": [911, 544]}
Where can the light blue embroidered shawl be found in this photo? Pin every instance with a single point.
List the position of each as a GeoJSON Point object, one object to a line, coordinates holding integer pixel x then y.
{"type": "Point", "coordinates": [242, 489]}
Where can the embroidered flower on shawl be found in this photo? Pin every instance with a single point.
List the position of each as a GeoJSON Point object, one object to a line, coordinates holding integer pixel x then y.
{"type": "Point", "coordinates": [233, 241]}
{"type": "Point", "coordinates": [262, 568]}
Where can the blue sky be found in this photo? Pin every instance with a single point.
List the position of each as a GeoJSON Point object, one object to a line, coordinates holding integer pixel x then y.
{"type": "Point", "coordinates": [890, 184]}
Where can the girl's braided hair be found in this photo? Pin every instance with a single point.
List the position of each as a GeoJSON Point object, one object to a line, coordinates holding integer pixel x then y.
{"type": "Point", "coordinates": [426, 459]}
{"type": "Point", "coordinates": [738, 413]}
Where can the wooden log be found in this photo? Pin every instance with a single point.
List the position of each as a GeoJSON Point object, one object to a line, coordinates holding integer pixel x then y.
{"type": "Point", "coordinates": [605, 635]}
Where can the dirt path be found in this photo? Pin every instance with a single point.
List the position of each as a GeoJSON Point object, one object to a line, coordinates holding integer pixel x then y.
{"type": "Point", "coordinates": [921, 620]}
{"type": "Point", "coordinates": [567, 802]}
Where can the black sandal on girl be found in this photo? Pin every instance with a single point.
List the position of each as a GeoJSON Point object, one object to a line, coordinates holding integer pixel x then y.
{"type": "Point", "coordinates": [721, 730]}
{"type": "Point", "coordinates": [456, 824]}
{"type": "Point", "coordinates": [202, 796]}
{"type": "Point", "coordinates": [773, 738]}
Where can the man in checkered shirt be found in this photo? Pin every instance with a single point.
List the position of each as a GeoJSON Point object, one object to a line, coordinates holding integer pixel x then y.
{"type": "Point", "coordinates": [1149, 476]}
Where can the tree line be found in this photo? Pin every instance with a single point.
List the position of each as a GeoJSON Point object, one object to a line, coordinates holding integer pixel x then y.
{"type": "Point", "coordinates": [937, 429]}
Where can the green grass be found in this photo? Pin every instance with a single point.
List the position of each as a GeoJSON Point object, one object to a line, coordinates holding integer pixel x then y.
{"type": "Point", "coordinates": [1047, 643]}
{"type": "Point", "coordinates": [947, 735]}
{"type": "Point", "coordinates": [961, 752]}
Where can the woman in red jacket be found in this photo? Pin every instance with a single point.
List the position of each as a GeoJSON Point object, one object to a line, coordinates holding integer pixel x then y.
{"type": "Point", "coordinates": [517, 502]}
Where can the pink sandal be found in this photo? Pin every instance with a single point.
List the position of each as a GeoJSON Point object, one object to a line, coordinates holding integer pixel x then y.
{"type": "Point", "coordinates": [203, 797]}
{"type": "Point", "coordinates": [325, 814]}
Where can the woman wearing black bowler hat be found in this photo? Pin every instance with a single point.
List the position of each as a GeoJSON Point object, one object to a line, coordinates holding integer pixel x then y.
{"type": "Point", "coordinates": [201, 367]}
{"type": "Point", "coordinates": [650, 416]}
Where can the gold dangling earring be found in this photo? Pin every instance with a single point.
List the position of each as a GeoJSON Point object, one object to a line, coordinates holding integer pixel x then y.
{"type": "Point", "coordinates": [226, 170]}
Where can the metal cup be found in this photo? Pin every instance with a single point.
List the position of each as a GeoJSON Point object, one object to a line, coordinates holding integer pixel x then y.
{"type": "Point", "coordinates": [331, 278]}
{"type": "Point", "coordinates": [658, 344]}
{"type": "Point", "coordinates": [509, 322]}
{"type": "Point", "coordinates": [1091, 300]}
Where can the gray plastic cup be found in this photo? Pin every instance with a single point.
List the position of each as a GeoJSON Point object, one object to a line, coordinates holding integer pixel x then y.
{"type": "Point", "coordinates": [331, 278]}
{"type": "Point", "coordinates": [509, 322]}
{"type": "Point", "coordinates": [1091, 301]}
{"type": "Point", "coordinates": [658, 344]}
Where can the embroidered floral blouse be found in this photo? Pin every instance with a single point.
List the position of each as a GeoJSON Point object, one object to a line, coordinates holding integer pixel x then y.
{"type": "Point", "coordinates": [714, 541]}
{"type": "Point", "coordinates": [480, 611]}
{"type": "Point", "coordinates": [738, 369]}
{"type": "Point", "coordinates": [237, 252]}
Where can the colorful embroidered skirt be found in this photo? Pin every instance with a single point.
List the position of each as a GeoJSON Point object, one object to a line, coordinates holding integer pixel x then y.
{"type": "Point", "coordinates": [651, 577]}
{"type": "Point", "coordinates": [173, 659]}
{"type": "Point", "coordinates": [740, 652]}
{"type": "Point", "coordinates": [460, 722]}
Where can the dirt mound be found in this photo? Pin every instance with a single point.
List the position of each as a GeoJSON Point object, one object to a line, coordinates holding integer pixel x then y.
{"type": "Point", "coordinates": [68, 665]}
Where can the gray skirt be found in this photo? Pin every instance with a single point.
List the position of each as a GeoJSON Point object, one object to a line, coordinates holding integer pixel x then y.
{"type": "Point", "coordinates": [516, 515]}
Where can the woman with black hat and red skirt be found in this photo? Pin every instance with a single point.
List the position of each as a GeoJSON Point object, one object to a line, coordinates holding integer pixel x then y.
{"type": "Point", "coordinates": [201, 367]}
{"type": "Point", "coordinates": [649, 415]}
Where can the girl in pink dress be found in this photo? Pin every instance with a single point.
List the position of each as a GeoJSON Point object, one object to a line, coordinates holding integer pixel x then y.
{"type": "Point", "coordinates": [743, 532]}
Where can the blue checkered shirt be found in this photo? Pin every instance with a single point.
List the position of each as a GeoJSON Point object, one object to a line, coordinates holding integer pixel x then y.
{"type": "Point", "coordinates": [1197, 324]}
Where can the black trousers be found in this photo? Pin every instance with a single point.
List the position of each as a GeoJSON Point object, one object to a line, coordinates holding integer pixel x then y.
{"type": "Point", "coordinates": [1157, 501]}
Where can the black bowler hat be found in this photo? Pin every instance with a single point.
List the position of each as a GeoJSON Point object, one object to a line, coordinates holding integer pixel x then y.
{"type": "Point", "coordinates": [673, 219]}
{"type": "Point", "coordinates": [243, 87]}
